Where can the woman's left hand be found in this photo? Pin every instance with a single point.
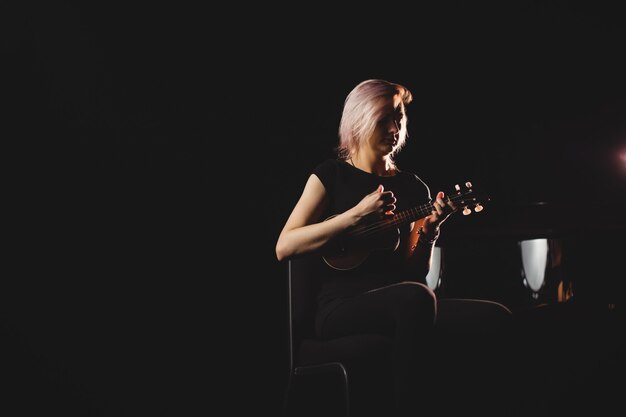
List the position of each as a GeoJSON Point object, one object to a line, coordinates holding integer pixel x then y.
{"type": "Point", "coordinates": [442, 209]}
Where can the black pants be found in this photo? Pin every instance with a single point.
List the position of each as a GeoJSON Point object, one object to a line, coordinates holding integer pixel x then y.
{"type": "Point", "coordinates": [437, 344]}
{"type": "Point", "coordinates": [406, 312]}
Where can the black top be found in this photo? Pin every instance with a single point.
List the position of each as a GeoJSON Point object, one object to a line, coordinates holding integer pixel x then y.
{"type": "Point", "coordinates": [346, 185]}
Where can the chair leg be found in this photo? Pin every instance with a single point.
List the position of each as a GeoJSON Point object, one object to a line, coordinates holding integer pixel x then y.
{"type": "Point", "coordinates": [287, 395]}
{"type": "Point", "coordinates": [346, 392]}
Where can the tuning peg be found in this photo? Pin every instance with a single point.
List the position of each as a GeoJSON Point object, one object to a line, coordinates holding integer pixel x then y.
{"type": "Point", "coordinates": [466, 211]}
{"type": "Point", "coordinates": [478, 207]}
{"type": "Point", "coordinates": [457, 187]}
{"type": "Point", "coordinates": [468, 184]}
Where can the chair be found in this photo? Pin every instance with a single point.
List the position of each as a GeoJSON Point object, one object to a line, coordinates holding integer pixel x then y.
{"type": "Point", "coordinates": [365, 358]}
{"type": "Point", "coordinates": [344, 357]}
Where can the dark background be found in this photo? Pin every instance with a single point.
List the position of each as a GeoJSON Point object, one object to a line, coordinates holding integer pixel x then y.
{"type": "Point", "coordinates": [153, 153]}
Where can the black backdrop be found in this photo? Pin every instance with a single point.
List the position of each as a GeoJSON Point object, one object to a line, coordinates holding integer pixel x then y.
{"type": "Point", "coordinates": [153, 153]}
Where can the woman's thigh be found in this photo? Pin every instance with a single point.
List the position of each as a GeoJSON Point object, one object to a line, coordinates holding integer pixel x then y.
{"type": "Point", "coordinates": [380, 310]}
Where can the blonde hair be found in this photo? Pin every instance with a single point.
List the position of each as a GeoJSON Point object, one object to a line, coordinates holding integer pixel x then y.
{"type": "Point", "coordinates": [363, 108]}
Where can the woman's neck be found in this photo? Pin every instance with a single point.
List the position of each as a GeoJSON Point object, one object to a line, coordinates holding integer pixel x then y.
{"type": "Point", "coordinates": [380, 167]}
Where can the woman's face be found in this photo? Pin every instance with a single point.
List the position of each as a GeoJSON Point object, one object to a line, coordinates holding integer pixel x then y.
{"type": "Point", "coordinates": [386, 136]}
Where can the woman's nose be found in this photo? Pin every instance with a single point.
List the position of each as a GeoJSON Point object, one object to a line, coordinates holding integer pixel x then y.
{"type": "Point", "coordinates": [396, 125]}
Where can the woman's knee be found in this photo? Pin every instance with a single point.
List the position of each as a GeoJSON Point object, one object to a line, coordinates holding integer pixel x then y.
{"type": "Point", "coordinates": [416, 297]}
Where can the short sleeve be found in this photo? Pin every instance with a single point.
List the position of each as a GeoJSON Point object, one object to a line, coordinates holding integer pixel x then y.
{"type": "Point", "coordinates": [327, 172]}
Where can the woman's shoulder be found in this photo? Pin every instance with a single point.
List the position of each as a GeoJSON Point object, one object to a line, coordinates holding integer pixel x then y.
{"type": "Point", "coordinates": [328, 166]}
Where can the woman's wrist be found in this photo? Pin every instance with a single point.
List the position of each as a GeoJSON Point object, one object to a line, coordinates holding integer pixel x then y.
{"type": "Point", "coordinates": [428, 237]}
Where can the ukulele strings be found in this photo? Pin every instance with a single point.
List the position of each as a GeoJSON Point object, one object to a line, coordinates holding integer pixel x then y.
{"type": "Point", "coordinates": [388, 224]}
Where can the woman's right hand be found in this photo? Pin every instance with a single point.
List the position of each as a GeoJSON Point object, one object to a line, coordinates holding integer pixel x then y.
{"type": "Point", "coordinates": [378, 204]}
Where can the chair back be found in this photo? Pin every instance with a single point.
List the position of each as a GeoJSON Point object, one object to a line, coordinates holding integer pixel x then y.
{"type": "Point", "coordinates": [303, 288]}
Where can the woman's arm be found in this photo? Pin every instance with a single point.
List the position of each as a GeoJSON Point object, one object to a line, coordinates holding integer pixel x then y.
{"type": "Point", "coordinates": [305, 231]}
{"type": "Point", "coordinates": [423, 235]}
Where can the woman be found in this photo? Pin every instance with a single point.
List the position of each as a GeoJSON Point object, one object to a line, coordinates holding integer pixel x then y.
{"type": "Point", "coordinates": [375, 226]}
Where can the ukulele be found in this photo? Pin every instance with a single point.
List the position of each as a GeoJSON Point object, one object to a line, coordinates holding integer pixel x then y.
{"type": "Point", "coordinates": [354, 246]}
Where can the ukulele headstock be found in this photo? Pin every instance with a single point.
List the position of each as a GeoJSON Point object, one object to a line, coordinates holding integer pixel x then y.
{"type": "Point", "coordinates": [466, 199]}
